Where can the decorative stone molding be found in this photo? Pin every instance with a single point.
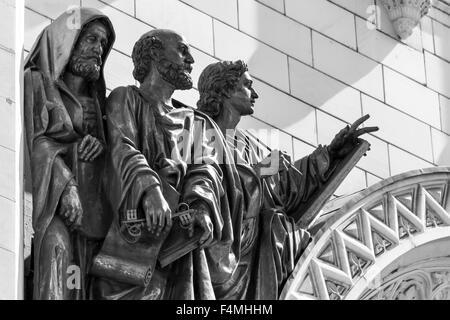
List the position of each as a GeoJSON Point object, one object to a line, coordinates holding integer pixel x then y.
{"type": "Point", "coordinates": [424, 280]}
{"type": "Point", "coordinates": [368, 234]}
{"type": "Point", "coordinates": [406, 14]}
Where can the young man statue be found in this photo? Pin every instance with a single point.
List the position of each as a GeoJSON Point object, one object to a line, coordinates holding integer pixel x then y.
{"type": "Point", "coordinates": [272, 241]}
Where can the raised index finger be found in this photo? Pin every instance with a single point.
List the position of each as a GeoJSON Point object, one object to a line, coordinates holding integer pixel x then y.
{"type": "Point", "coordinates": [358, 122]}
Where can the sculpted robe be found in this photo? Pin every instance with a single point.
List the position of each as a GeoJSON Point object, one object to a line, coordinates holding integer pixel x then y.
{"type": "Point", "coordinates": [55, 122]}
{"type": "Point", "coordinates": [146, 147]}
{"type": "Point", "coordinates": [271, 241]}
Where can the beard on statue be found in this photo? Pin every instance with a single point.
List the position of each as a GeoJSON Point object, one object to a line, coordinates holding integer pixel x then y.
{"type": "Point", "coordinates": [87, 67]}
{"type": "Point", "coordinates": [177, 75]}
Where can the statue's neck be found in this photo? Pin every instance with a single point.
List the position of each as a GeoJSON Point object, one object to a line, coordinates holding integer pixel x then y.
{"type": "Point", "coordinates": [159, 89]}
{"type": "Point", "coordinates": [76, 84]}
{"type": "Point", "coordinates": [228, 119]}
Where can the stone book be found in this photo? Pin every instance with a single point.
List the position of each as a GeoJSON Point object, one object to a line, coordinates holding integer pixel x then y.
{"type": "Point", "coordinates": [310, 210]}
{"type": "Point", "coordinates": [178, 244]}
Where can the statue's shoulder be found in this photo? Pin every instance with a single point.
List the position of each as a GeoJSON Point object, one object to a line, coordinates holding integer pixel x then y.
{"type": "Point", "coordinates": [178, 104]}
{"type": "Point", "coordinates": [202, 115]}
{"type": "Point", "coordinates": [118, 97]}
{"type": "Point", "coordinates": [198, 115]}
{"type": "Point", "coordinates": [209, 122]}
{"type": "Point", "coordinates": [119, 93]}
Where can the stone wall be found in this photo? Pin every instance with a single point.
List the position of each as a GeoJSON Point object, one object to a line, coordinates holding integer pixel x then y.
{"type": "Point", "coordinates": [8, 176]}
{"type": "Point", "coordinates": [317, 65]}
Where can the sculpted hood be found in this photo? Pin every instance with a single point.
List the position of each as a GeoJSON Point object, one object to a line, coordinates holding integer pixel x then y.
{"type": "Point", "coordinates": [50, 130]}
{"type": "Point", "coordinates": [52, 50]}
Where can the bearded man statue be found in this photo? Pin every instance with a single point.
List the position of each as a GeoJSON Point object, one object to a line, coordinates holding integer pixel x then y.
{"type": "Point", "coordinates": [64, 96]}
{"type": "Point", "coordinates": [158, 144]}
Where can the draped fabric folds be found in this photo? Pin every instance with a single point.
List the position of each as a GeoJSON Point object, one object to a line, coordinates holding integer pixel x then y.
{"type": "Point", "coordinates": [271, 241]}
{"type": "Point", "coordinates": [53, 126]}
{"type": "Point", "coordinates": [148, 146]}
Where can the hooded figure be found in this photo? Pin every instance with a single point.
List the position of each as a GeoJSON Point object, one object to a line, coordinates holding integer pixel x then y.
{"type": "Point", "coordinates": [64, 95]}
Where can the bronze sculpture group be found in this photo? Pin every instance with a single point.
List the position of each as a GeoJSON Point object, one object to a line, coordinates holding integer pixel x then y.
{"type": "Point", "coordinates": [148, 197]}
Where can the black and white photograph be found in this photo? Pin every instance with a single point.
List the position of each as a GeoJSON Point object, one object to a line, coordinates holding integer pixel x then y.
{"type": "Point", "coordinates": [226, 150]}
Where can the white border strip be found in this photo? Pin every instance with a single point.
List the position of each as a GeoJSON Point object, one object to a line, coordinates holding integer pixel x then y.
{"type": "Point", "coordinates": [19, 36]}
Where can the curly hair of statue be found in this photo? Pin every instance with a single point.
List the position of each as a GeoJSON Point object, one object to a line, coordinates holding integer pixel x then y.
{"type": "Point", "coordinates": [215, 83]}
{"type": "Point", "coordinates": [142, 58]}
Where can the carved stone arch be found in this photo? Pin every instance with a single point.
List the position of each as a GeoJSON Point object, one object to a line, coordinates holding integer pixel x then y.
{"type": "Point", "coordinates": [390, 241]}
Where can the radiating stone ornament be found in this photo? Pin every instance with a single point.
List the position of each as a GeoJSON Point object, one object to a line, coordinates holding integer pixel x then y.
{"type": "Point", "coordinates": [406, 14]}
{"type": "Point", "coordinates": [387, 242]}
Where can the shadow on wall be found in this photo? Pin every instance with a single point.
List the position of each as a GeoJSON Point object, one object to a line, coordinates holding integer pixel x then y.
{"type": "Point", "coordinates": [332, 85]}
{"type": "Point", "coordinates": [289, 88]}
{"type": "Point", "coordinates": [443, 157]}
{"type": "Point", "coordinates": [438, 78]}
{"type": "Point", "coordinates": [271, 66]}
{"type": "Point", "coordinates": [441, 144]}
{"type": "Point", "coordinates": [288, 85]}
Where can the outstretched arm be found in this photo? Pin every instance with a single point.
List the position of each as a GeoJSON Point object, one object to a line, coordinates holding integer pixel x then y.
{"type": "Point", "coordinates": [316, 169]}
{"type": "Point", "coordinates": [346, 140]}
